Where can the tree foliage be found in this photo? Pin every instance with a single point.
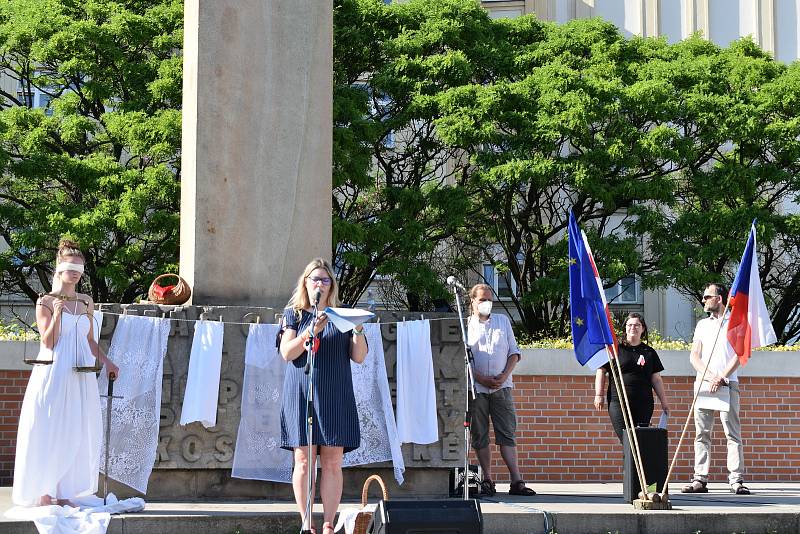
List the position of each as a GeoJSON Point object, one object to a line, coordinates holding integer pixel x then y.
{"type": "Point", "coordinates": [100, 161]}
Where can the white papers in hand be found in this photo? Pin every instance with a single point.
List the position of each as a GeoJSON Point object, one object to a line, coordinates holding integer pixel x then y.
{"type": "Point", "coordinates": [345, 319]}
{"type": "Point", "coordinates": [662, 422]}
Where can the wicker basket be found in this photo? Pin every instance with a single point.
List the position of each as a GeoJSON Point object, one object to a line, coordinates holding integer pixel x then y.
{"type": "Point", "coordinates": [174, 295]}
{"type": "Point", "coordinates": [363, 518]}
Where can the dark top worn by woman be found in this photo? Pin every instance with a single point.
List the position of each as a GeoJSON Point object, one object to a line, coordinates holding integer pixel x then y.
{"type": "Point", "coordinates": [335, 415]}
{"type": "Point", "coordinates": [638, 363]}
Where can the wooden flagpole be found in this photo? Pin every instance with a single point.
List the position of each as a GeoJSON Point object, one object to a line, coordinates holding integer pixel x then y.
{"type": "Point", "coordinates": [633, 441]}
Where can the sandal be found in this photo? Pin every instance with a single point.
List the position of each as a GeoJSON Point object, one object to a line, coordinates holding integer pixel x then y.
{"type": "Point", "coordinates": [487, 488]}
{"type": "Point", "coordinates": [696, 486]}
{"type": "Point", "coordinates": [519, 488]}
{"type": "Point", "coordinates": [327, 526]}
{"type": "Point", "coordinates": [739, 489]}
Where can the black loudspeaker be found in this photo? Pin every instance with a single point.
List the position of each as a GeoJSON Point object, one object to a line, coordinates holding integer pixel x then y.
{"type": "Point", "coordinates": [427, 517]}
{"type": "Point", "coordinates": [653, 446]}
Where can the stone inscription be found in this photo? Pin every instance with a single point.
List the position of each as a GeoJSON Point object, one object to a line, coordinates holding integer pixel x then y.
{"type": "Point", "coordinates": [195, 447]}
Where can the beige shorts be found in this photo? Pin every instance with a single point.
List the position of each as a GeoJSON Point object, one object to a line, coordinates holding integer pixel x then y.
{"type": "Point", "coordinates": [500, 407]}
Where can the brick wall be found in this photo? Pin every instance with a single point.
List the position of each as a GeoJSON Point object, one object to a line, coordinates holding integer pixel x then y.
{"type": "Point", "coordinates": [562, 438]}
{"type": "Point", "coordinates": [12, 389]}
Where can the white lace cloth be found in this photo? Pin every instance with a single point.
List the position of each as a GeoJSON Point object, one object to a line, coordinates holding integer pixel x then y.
{"type": "Point", "coordinates": [202, 384]}
{"type": "Point", "coordinates": [138, 348]}
{"type": "Point", "coordinates": [258, 454]}
{"type": "Point", "coordinates": [91, 516]}
{"type": "Point", "coordinates": [379, 438]}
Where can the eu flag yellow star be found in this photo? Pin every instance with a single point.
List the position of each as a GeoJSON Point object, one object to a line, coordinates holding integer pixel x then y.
{"type": "Point", "coordinates": [579, 321]}
{"type": "Point", "coordinates": [573, 261]}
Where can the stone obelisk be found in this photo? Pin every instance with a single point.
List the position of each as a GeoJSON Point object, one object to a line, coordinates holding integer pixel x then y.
{"type": "Point", "coordinates": [257, 122]}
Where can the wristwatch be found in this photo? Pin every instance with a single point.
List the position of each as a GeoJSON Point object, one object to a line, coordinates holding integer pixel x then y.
{"type": "Point", "coordinates": [359, 332]}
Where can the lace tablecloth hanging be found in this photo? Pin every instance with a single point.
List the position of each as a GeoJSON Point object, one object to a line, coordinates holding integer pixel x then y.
{"type": "Point", "coordinates": [258, 454]}
{"type": "Point", "coordinates": [379, 438]}
{"type": "Point", "coordinates": [138, 348]}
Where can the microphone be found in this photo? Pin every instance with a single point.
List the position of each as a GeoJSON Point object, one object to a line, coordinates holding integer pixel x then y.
{"type": "Point", "coordinates": [317, 296]}
{"type": "Point", "coordinates": [451, 281]}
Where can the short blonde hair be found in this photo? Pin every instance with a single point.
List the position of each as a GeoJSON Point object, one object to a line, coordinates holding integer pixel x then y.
{"type": "Point", "coordinates": [300, 299]}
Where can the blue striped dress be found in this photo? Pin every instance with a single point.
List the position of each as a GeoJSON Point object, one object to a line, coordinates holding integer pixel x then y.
{"type": "Point", "coordinates": [335, 415]}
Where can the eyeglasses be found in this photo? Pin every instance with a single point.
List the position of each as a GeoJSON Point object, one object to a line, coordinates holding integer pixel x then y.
{"type": "Point", "coordinates": [325, 281]}
{"type": "Point", "coordinates": [707, 297]}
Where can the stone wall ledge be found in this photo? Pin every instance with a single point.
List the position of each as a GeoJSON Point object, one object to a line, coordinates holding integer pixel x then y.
{"type": "Point", "coordinates": [535, 362]}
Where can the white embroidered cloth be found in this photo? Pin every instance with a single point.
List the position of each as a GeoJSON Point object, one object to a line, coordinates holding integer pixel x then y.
{"type": "Point", "coordinates": [416, 393]}
{"type": "Point", "coordinates": [258, 454]}
{"type": "Point", "coordinates": [138, 348]}
{"type": "Point", "coordinates": [379, 438]}
{"type": "Point", "coordinates": [91, 516]}
{"type": "Point", "coordinates": [202, 383]}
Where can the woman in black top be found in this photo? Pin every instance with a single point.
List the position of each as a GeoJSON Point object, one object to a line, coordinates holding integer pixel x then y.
{"type": "Point", "coordinates": [641, 374]}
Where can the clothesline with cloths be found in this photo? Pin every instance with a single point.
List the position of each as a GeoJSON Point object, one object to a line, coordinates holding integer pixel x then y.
{"type": "Point", "coordinates": [378, 321]}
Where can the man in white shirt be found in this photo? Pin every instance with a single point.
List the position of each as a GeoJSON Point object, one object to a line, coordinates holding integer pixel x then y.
{"type": "Point", "coordinates": [711, 341]}
{"type": "Point", "coordinates": [495, 353]}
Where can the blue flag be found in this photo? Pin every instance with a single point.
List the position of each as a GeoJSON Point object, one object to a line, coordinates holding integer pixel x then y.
{"type": "Point", "coordinates": [591, 320]}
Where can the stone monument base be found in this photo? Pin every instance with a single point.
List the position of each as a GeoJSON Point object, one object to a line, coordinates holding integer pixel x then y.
{"type": "Point", "coordinates": [217, 484]}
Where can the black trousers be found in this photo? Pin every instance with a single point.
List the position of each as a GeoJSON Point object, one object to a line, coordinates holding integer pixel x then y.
{"type": "Point", "coordinates": [641, 410]}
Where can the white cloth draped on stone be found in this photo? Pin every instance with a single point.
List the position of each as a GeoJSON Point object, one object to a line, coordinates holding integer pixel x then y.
{"type": "Point", "coordinates": [416, 393]}
{"type": "Point", "coordinates": [258, 454]}
{"type": "Point", "coordinates": [90, 516]}
{"type": "Point", "coordinates": [379, 438]}
{"type": "Point", "coordinates": [138, 348]}
{"type": "Point", "coordinates": [202, 384]}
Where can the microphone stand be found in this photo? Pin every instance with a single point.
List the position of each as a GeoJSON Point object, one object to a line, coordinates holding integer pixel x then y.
{"type": "Point", "coordinates": [469, 382]}
{"type": "Point", "coordinates": [309, 370]}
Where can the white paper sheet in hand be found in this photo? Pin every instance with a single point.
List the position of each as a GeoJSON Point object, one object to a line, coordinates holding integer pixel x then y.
{"type": "Point", "coordinates": [345, 319]}
{"type": "Point", "coordinates": [662, 422]}
{"type": "Point", "coordinates": [719, 400]}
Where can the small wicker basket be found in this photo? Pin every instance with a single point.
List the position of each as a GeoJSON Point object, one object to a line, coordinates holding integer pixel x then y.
{"type": "Point", "coordinates": [363, 518]}
{"type": "Point", "coordinates": [171, 295]}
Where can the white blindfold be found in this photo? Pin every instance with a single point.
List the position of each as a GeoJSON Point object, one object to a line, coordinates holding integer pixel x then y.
{"type": "Point", "coordinates": [67, 266]}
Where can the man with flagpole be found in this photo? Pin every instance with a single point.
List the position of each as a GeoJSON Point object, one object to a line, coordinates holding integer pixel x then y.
{"type": "Point", "coordinates": [722, 342]}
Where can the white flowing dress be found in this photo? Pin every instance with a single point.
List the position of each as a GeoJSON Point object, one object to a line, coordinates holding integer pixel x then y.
{"type": "Point", "coordinates": [60, 427]}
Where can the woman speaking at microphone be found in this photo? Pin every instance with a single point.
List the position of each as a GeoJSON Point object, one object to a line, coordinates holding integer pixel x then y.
{"type": "Point", "coordinates": [335, 420]}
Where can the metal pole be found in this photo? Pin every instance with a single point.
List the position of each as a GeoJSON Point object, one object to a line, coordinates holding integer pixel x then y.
{"type": "Point", "coordinates": [306, 527]}
{"type": "Point", "coordinates": [469, 382]}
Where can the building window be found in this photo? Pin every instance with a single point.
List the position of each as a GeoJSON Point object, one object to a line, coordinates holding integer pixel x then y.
{"type": "Point", "coordinates": [503, 284]}
{"type": "Point", "coordinates": [626, 291]}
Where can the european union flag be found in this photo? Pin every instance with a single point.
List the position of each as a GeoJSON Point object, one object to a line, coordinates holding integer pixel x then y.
{"type": "Point", "coordinates": [591, 321]}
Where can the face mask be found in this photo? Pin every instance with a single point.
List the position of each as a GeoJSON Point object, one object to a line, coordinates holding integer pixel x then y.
{"type": "Point", "coordinates": [485, 307]}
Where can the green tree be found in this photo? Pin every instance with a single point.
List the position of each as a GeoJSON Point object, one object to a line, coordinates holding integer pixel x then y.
{"type": "Point", "coordinates": [398, 196]}
{"type": "Point", "coordinates": [742, 109]}
{"type": "Point", "coordinates": [564, 122]}
{"type": "Point", "coordinates": [99, 161]}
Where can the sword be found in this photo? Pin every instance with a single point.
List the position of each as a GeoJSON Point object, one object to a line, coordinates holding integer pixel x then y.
{"type": "Point", "coordinates": [109, 398]}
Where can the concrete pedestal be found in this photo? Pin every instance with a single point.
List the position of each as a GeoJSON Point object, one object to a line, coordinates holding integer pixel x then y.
{"type": "Point", "coordinates": [256, 152]}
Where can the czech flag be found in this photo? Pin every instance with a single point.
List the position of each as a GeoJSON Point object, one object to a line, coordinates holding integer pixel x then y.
{"type": "Point", "coordinates": [591, 319]}
{"type": "Point", "coordinates": [749, 326]}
